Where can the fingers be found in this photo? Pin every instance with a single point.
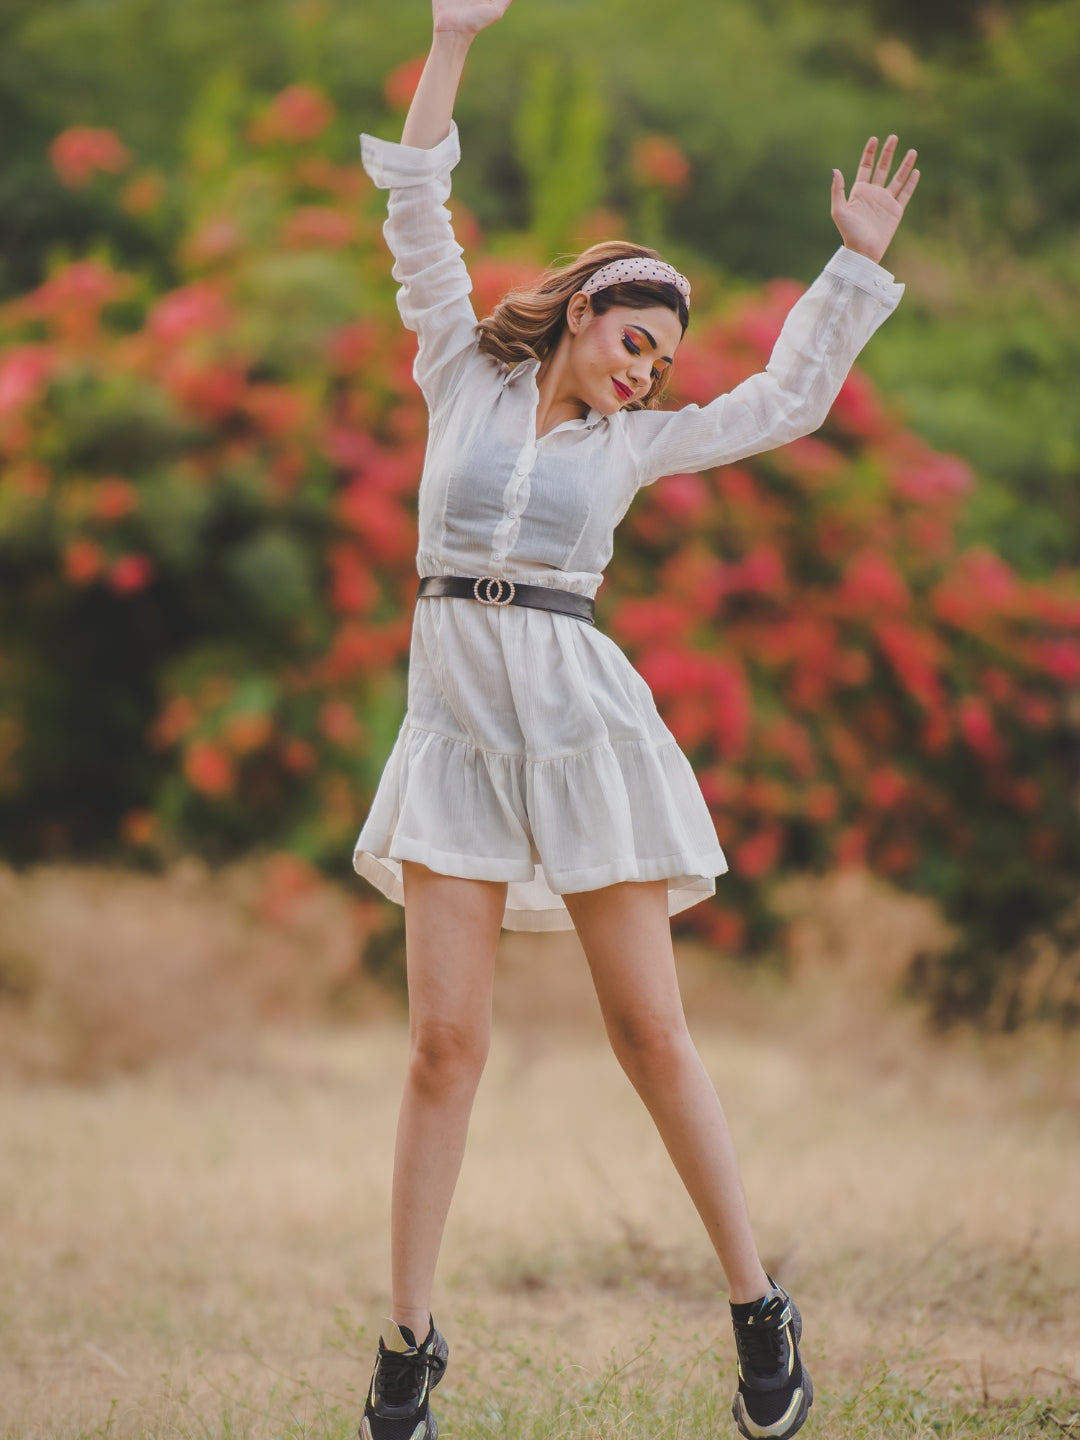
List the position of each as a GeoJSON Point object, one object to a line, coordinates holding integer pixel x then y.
{"type": "Point", "coordinates": [866, 164]}
{"type": "Point", "coordinates": [909, 188]}
{"type": "Point", "coordinates": [837, 196]}
{"type": "Point", "coordinates": [881, 171]}
{"type": "Point", "coordinates": [903, 171]}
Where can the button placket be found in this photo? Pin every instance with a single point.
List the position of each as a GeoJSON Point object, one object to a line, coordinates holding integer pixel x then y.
{"type": "Point", "coordinates": [515, 499]}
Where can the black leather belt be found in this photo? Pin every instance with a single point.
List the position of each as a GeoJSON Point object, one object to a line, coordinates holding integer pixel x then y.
{"type": "Point", "coordinates": [491, 590]}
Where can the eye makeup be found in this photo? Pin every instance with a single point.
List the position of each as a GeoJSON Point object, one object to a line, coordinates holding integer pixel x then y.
{"type": "Point", "coordinates": [635, 349]}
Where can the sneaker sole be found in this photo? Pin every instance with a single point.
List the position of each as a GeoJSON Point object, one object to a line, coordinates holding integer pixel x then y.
{"type": "Point", "coordinates": [428, 1431]}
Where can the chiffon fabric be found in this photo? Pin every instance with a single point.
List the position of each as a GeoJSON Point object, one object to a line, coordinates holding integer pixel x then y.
{"type": "Point", "coordinates": [531, 751]}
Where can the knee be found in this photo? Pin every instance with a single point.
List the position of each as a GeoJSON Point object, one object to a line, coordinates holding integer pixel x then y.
{"type": "Point", "coordinates": [650, 1048]}
{"type": "Point", "coordinates": [445, 1056]}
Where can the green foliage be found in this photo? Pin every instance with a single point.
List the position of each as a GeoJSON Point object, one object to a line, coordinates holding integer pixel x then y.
{"type": "Point", "coordinates": [560, 132]}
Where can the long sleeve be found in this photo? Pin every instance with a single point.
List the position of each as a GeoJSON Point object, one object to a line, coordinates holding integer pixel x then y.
{"type": "Point", "coordinates": [435, 285]}
{"type": "Point", "coordinates": [822, 335]}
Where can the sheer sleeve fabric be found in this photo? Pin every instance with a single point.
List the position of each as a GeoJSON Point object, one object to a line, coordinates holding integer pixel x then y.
{"type": "Point", "coordinates": [435, 285]}
{"type": "Point", "coordinates": [822, 335]}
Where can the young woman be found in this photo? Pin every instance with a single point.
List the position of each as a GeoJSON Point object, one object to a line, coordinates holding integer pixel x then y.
{"type": "Point", "coordinates": [533, 784]}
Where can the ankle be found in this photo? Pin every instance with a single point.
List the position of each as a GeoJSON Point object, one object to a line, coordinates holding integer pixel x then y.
{"type": "Point", "coordinates": [416, 1320]}
{"type": "Point", "coordinates": [747, 1288]}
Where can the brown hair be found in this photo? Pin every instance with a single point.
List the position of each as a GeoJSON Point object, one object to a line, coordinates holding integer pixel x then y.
{"type": "Point", "coordinates": [528, 322]}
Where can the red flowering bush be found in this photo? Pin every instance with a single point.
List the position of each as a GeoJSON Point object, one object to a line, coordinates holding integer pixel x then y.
{"type": "Point", "coordinates": [207, 538]}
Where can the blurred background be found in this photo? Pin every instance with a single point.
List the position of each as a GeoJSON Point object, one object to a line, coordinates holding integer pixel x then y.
{"type": "Point", "coordinates": [868, 643]}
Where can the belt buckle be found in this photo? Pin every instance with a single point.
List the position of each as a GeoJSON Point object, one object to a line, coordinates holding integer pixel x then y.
{"type": "Point", "coordinates": [504, 590]}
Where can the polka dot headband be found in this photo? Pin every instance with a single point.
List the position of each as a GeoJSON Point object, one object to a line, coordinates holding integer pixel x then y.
{"type": "Point", "coordinates": [637, 267]}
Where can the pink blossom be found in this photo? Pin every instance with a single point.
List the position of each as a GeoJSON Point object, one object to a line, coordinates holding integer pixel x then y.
{"type": "Point", "coordinates": [130, 574]}
{"type": "Point", "coordinates": [195, 309]}
{"type": "Point", "coordinates": [977, 729]}
{"type": "Point", "coordinates": [80, 152]}
{"type": "Point", "coordinates": [319, 226]}
{"type": "Point", "coordinates": [660, 162]}
{"type": "Point", "coordinates": [755, 857]}
{"type": "Point", "coordinates": [872, 582]}
{"type": "Point", "coordinates": [24, 373]}
{"type": "Point", "coordinates": [399, 87]}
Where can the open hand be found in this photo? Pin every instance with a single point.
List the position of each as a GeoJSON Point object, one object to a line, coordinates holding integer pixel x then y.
{"type": "Point", "coordinates": [868, 217]}
{"type": "Point", "coordinates": [466, 17]}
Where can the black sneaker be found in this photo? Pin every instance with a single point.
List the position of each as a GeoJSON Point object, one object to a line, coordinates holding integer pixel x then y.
{"type": "Point", "coordinates": [405, 1373]}
{"type": "Point", "coordinates": [775, 1392]}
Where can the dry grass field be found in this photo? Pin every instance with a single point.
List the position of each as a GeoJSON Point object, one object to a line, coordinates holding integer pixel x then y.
{"type": "Point", "coordinates": [200, 1249]}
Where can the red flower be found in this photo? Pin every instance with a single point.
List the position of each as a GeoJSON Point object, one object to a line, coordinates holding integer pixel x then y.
{"type": "Point", "coordinates": [298, 113]}
{"type": "Point", "coordinates": [1035, 711]}
{"type": "Point", "coordinates": [857, 408]}
{"type": "Point", "coordinates": [1059, 658]}
{"type": "Point", "coordinates": [761, 572]}
{"type": "Point", "coordinates": [215, 239]}
{"type": "Point", "coordinates": [758, 855]}
{"type": "Point", "coordinates": [177, 718]}
{"type": "Point", "coordinates": [319, 226]}
{"type": "Point", "coordinates": [338, 722]}
{"type": "Point", "coordinates": [872, 582]}
{"type": "Point", "coordinates": [656, 621]}
{"type": "Point", "coordinates": [886, 787]}
{"type": "Point", "coordinates": [143, 194]}
{"type": "Point", "coordinates": [197, 309]}
{"type": "Point", "coordinates": [399, 87]}
{"type": "Point", "coordinates": [209, 769]}
{"type": "Point", "coordinates": [276, 409]}
{"type": "Point", "coordinates": [726, 929]}
{"type": "Point", "coordinates": [822, 803]}
{"type": "Point", "coordinates": [113, 499]}
{"type": "Point", "coordinates": [977, 728]}
{"type": "Point", "coordinates": [24, 373]}
{"type": "Point", "coordinates": [78, 153]}
{"type": "Point", "coordinates": [924, 476]}
{"type": "Point", "coordinates": [658, 161]}
{"type": "Point", "coordinates": [299, 756]}
{"type": "Point", "coordinates": [130, 574]}
{"type": "Point", "coordinates": [353, 586]}
{"type": "Point", "coordinates": [247, 731]}
{"type": "Point", "coordinates": [494, 275]}
{"type": "Point", "coordinates": [83, 561]}
{"type": "Point", "coordinates": [915, 655]}
{"type": "Point", "coordinates": [684, 497]}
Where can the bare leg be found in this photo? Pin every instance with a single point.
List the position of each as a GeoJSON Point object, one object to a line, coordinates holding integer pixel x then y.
{"type": "Point", "coordinates": [627, 939]}
{"type": "Point", "coordinates": [451, 933]}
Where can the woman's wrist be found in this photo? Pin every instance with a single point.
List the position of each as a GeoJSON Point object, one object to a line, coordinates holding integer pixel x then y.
{"type": "Point", "coordinates": [857, 250]}
{"type": "Point", "coordinates": [453, 42]}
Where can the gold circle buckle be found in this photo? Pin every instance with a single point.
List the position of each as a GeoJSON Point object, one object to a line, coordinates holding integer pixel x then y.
{"type": "Point", "coordinates": [504, 590]}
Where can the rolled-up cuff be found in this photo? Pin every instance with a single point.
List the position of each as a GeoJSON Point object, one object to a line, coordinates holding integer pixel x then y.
{"type": "Point", "coordinates": [391, 166]}
{"type": "Point", "coordinates": [866, 274]}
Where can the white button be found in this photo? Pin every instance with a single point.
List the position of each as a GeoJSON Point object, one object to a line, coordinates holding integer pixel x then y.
{"type": "Point", "coordinates": [497, 555]}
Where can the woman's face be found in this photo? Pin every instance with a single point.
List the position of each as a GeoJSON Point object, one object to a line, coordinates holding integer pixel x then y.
{"type": "Point", "coordinates": [615, 358]}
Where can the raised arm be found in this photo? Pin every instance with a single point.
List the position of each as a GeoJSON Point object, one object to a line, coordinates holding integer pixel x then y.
{"type": "Point", "coordinates": [821, 337]}
{"type": "Point", "coordinates": [455, 24]}
{"type": "Point", "coordinates": [435, 286]}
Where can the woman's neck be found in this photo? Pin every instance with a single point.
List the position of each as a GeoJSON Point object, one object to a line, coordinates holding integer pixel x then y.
{"type": "Point", "coordinates": [557, 402]}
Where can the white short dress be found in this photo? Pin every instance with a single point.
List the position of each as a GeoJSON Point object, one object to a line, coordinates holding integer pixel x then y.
{"type": "Point", "coordinates": [531, 751]}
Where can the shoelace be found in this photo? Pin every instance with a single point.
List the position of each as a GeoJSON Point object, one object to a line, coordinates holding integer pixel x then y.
{"type": "Point", "coordinates": [758, 1341]}
{"type": "Point", "coordinates": [400, 1376]}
